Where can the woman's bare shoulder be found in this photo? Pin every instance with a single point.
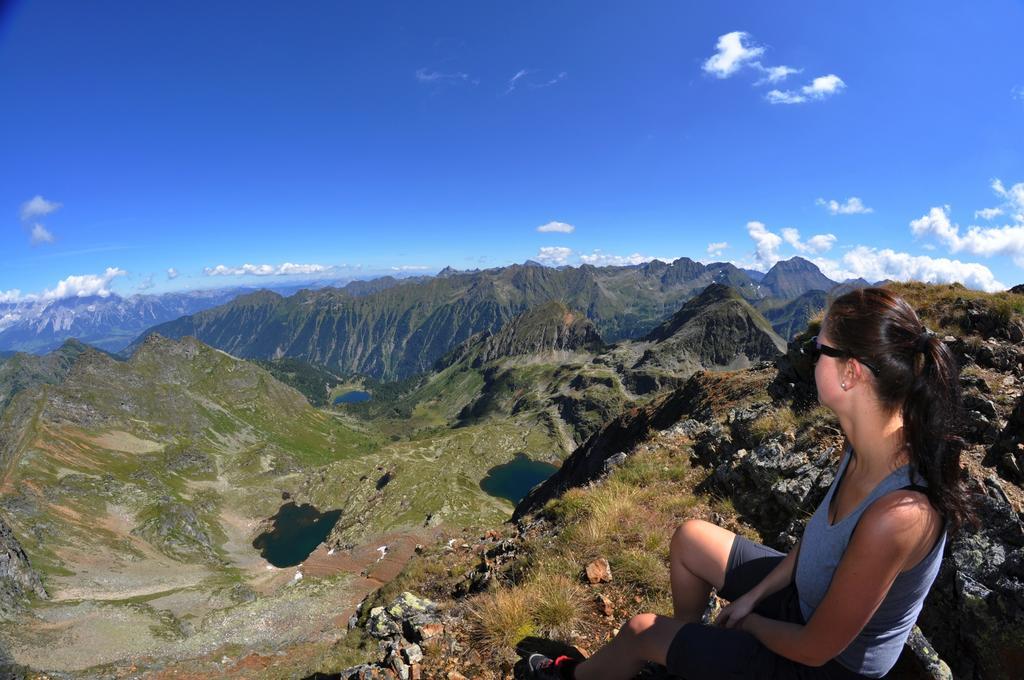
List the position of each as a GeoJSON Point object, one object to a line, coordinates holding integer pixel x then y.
{"type": "Point", "coordinates": [904, 521]}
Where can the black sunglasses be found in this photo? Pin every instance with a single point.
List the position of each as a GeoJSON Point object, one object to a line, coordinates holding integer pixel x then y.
{"type": "Point", "coordinates": [814, 349]}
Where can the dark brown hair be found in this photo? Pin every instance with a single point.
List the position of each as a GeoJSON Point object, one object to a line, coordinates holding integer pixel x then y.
{"type": "Point", "coordinates": [917, 374]}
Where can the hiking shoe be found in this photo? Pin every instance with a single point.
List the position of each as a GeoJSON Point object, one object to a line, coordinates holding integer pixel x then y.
{"type": "Point", "coordinates": [544, 668]}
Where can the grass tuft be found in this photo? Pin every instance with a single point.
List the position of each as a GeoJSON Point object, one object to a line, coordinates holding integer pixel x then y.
{"type": "Point", "coordinates": [500, 620]}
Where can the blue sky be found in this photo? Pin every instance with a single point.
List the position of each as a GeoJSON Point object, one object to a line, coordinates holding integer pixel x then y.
{"type": "Point", "coordinates": [351, 138]}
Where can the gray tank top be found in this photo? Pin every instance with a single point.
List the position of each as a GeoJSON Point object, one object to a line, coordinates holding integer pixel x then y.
{"type": "Point", "coordinates": [875, 650]}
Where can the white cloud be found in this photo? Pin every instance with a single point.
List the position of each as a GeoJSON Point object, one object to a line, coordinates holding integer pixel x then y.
{"type": "Point", "coordinates": [554, 256]}
{"type": "Point", "coordinates": [37, 207]}
{"type": "Point", "coordinates": [146, 283]}
{"type": "Point", "coordinates": [12, 295]}
{"type": "Point", "coordinates": [766, 244]}
{"type": "Point", "coordinates": [84, 285]}
{"type": "Point", "coordinates": [1017, 93]}
{"type": "Point", "coordinates": [514, 79]}
{"type": "Point", "coordinates": [716, 248]}
{"type": "Point", "coordinates": [823, 86]}
{"type": "Point", "coordinates": [172, 273]}
{"type": "Point", "coordinates": [600, 259]}
{"type": "Point", "coordinates": [785, 97]}
{"type": "Point", "coordinates": [556, 227]}
{"type": "Point", "coordinates": [438, 78]}
{"type": "Point", "coordinates": [853, 206]}
{"type": "Point", "coordinates": [818, 243]}
{"type": "Point", "coordinates": [410, 268]}
{"type": "Point", "coordinates": [988, 213]}
{"type": "Point", "coordinates": [819, 88]}
{"type": "Point", "coordinates": [735, 53]}
{"type": "Point", "coordinates": [551, 81]}
{"type": "Point", "coordinates": [285, 269]}
{"type": "Point", "coordinates": [40, 234]}
{"type": "Point", "coordinates": [775, 74]}
{"type": "Point", "coordinates": [985, 241]}
{"type": "Point", "coordinates": [873, 264]}
{"type": "Point", "coordinates": [732, 55]}
{"type": "Point", "coordinates": [1014, 197]}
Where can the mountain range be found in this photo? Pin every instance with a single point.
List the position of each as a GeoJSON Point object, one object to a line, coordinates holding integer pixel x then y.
{"type": "Point", "coordinates": [403, 329]}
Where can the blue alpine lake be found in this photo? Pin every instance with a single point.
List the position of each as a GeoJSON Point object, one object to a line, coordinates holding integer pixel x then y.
{"type": "Point", "coordinates": [297, 531]}
{"type": "Point", "coordinates": [353, 397]}
{"type": "Point", "coordinates": [514, 479]}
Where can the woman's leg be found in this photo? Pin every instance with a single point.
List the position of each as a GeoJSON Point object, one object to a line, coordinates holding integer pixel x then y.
{"type": "Point", "coordinates": [698, 555]}
{"type": "Point", "coordinates": [645, 637]}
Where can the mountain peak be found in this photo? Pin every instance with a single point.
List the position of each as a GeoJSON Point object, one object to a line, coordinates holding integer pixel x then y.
{"type": "Point", "coordinates": [792, 278]}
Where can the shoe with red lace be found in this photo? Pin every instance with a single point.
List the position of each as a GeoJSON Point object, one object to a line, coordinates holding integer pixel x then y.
{"type": "Point", "coordinates": [544, 668]}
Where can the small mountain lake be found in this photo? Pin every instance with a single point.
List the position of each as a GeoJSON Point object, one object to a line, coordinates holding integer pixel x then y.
{"type": "Point", "coordinates": [514, 479]}
{"type": "Point", "coordinates": [298, 530]}
{"type": "Point", "coordinates": [353, 397]}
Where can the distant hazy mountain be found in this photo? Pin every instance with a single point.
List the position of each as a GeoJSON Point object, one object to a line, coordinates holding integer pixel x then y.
{"type": "Point", "coordinates": [109, 323]}
{"type": "Point", "coordinates": [405, 329]}
{"type": "Point", "coordinates": [790, 317]}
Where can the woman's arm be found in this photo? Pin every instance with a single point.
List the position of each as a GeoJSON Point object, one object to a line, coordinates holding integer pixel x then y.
{"type": "Point", "coordinates": [881, 545]}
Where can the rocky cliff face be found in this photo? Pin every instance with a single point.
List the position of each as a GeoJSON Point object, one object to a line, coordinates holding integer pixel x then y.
{"type": "Point", "coordinates": [17, 578]}
{"type": "Point", "coordinates": [548, 327]}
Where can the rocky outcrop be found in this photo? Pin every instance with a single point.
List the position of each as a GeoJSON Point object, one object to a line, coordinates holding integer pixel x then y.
{"type": "Point", "coordinates": [1008, 451]}
{"type": "Point", "coordinates": [177, 531]}
{"type": "Point", "coordinates": [17, 578]}
{"type": "Point", "coordinates": [975, 613]}
{"type": "Point", "coordinates": [400, 628]}
{"type": "Point", "coordinates": [977, 317]}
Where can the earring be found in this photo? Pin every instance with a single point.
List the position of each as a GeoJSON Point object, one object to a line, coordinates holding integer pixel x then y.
{"type": "Point", "coordinates": [843, 385]}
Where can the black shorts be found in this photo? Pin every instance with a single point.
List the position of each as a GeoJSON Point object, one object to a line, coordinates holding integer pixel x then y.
{"type": "Point", "coordinates": [701, 652]}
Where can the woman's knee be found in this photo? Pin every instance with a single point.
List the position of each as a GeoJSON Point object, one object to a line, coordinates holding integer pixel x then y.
{"type": "Point", "coordinates": [686, 534]}
{"type": "Point", "coordinates": [639, 624]}
{"type": "Point", "coordinates": [703, 549]}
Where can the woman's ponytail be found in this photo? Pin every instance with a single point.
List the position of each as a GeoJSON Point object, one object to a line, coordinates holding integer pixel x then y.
{"type": "Point", "coordinates": [931, 422]}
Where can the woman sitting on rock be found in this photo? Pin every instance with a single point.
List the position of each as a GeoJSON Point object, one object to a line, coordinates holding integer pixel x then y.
{"type": "Point", "coordinates": [842, 602]}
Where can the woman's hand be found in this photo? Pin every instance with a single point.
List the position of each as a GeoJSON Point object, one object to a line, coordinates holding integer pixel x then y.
{"type": "Point", "coordinates": [737, 610]}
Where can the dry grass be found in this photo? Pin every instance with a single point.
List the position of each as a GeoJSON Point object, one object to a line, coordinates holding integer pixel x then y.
{"type": "Point", "coordinates": [772, 424]}
{"type": "Point", "coordinates": [937, 306]}
{"type": "Point", "coordinates": [555, 601]}
{"type": "Point", "coordinates": [628, 518]}
{"type": "Point", "coordinates": [500, 620]}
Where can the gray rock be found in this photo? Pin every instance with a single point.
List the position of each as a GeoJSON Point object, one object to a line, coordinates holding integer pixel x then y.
{"type": "Point", "coordinates": [17, 578]}
{"type": "Point", "coordinates": [381, 625]}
